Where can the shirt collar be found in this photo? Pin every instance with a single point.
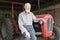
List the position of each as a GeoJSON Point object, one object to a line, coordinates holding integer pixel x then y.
{"type": "Point", "coordinates": [26, 13]}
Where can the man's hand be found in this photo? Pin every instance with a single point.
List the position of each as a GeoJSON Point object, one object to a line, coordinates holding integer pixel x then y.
{"type": "Point", "coordinates": [27, 34]}
{"type": "Point", "coordinates": [37, 20]}
{"type": "Point", "coordinates": [43, 20]}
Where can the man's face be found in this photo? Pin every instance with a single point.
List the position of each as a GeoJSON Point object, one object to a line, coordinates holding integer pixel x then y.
{"type": "Point", "coordinates": [27, 8]}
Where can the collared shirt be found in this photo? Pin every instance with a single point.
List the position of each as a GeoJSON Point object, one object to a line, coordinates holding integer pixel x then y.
{"type": "Point", "coordinates": [25, 19]}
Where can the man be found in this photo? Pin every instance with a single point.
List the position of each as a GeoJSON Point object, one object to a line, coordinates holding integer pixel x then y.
{"type": "Point", "coordinates": [25, 23]}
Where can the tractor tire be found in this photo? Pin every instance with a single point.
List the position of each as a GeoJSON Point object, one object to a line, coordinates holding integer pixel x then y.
{"type": "Point", "coordinates": [55, 35]}
{"type": "Point", "coordinates": [7, 30]}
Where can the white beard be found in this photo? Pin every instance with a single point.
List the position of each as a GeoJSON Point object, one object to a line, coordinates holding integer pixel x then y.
{"type": "Point", "coordinates": [27, 10]}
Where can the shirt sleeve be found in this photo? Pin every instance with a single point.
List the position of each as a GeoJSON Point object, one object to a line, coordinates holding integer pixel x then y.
{"type": "Point", "coordinates": [33, 17]}
{"type": "Point", "coordinates": [20, 23]}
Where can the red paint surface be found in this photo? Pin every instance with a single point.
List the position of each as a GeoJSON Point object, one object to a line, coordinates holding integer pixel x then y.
{"type": "Point", "coordinates": [43, 27]}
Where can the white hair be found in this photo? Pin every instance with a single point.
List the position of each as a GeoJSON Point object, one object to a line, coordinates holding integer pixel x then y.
{"type": "Point", "coordinates": [27, 4]}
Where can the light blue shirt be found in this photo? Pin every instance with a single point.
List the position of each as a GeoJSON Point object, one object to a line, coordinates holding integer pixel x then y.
{"type": "Point", "coordinates": [25, 19]}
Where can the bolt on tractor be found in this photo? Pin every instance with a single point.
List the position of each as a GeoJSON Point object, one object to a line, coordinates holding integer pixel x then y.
{"type": "Point", "coordinates": [9, 26]}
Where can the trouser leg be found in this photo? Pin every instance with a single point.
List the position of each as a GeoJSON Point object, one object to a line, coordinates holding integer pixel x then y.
{"type": "Point", "coordinates": [32, 34]}
{"type": "Point", "coordinates": [31, 30]}
{"type": "Point", "coordinates": [25, 37]}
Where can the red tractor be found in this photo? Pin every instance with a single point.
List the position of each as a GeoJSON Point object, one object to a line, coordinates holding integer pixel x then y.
{"type": "Point", "coordinates": [46, 30]}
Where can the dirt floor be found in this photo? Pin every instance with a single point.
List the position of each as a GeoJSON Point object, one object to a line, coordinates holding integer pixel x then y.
{"type": "Point", "coordinates": [18, 39]}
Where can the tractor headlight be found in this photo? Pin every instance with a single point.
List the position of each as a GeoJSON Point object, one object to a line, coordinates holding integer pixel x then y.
{"type": "Point", "coordinates": [41, 21]}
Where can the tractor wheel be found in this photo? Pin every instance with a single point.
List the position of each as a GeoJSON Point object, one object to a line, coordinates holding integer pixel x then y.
{"type": "Point", "coordinates": [55, 35]}
{"type": "Point", "coordinates": [7, 30]}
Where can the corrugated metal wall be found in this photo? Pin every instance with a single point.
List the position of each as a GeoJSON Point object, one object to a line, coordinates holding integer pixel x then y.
{"type": "Point", "coordinates": [57, 17]}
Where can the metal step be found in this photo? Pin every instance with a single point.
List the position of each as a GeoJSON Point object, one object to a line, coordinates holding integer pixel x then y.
{"type": "Point", "coordinates": [38, 33]}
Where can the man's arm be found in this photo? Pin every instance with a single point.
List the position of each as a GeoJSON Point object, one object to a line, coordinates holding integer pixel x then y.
{"type": "Point", "coordinates": [22, 28]}
{"type": "Point", "coordinates": [35, 19]}
{"type": "Point", "coordinates": [20, 23]}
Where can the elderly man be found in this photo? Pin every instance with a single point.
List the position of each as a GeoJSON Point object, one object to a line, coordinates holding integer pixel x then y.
{"type": "Point", "coordinates": [25, 23]}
